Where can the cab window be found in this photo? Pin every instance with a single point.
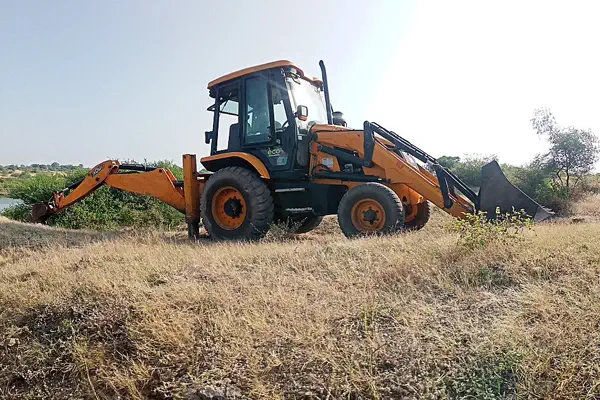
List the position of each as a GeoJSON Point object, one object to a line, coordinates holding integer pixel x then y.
{"type": "Point", "coordinates": [279, 113]}
{"type": "Point", "coordinates": [228, 120]}
{"type": "Point", "coordinates": [257, 127]}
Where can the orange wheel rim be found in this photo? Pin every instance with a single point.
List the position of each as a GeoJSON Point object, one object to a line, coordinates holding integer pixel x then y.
{"type": "Point", "coordinates": [229, 208]}
{"type": "Point", "coordinates": [368, 215]}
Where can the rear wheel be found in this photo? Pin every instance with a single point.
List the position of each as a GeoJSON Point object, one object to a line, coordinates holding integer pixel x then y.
{"type": "Point", "coordinates": [370, 208]}
{"type": "Point", "coordinates": [236, 204]}
{"type": "Point", "coordinates": [422, 217]}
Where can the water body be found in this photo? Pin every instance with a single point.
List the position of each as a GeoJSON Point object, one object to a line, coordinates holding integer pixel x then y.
{"type": "Point", "coordinates": [5, 202]}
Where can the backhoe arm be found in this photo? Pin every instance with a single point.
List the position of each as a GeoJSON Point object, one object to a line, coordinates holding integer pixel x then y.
{"type": "Point", "coordinates": [156, 182]}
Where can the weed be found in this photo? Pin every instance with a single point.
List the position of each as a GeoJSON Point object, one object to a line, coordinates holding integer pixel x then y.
{"type": "Point", "coordinates": [282, 230]}
{"type": "Point", "coordinates": [477, 230]}
{"type": "Point", "coordinates": [485, 376]}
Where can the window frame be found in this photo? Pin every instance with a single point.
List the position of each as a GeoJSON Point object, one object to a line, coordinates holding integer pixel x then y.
{"type": "Point", "coordinates": [216, 108]}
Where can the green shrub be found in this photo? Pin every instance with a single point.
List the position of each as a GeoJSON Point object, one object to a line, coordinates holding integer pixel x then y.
{"type": "Point", "coordinates": [41, 187]}
{"type": "Point", "coordinates": [492, 376]}
{"type": "Point", "coordinates": [477, 231]}
{"type": "Point", "coordinates": [467, 169]}
{"type": "Point", "coordinates": [106, 208]}
{"type": "Point", "coordinates": [19, 212]}
{"type": "Point", "coordinates": [536, 179]}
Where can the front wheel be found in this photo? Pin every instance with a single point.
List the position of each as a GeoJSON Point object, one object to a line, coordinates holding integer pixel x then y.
{"type": "Point", "coordinates": [236, 204]}
{"type": "Point", "coordinates": [421, 218]}
{"type": "Point", "coordinates": [370, 208]}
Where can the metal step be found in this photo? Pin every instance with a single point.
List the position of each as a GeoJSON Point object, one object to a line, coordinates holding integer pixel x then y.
{"type": "Point", "coordinates": [299, 210]}
{"type": "Point", "coordinates": [286, 190]}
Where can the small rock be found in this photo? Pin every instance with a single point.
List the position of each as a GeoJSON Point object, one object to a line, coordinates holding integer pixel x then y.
{"type": "Point", "coordinates": [215, 393]}
{"type": "Point", "coordinates": [210, 394]}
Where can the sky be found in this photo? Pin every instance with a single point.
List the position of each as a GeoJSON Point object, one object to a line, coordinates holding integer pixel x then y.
{"type": "Point", "coordinates": [85, 81]}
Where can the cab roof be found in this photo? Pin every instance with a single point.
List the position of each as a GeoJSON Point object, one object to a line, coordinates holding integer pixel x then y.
{"type": "Point", "coordinates": [261, 67]}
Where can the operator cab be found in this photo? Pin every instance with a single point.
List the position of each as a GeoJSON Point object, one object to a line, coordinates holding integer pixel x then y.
{"type": "Point", "coordinates": [267, 111]}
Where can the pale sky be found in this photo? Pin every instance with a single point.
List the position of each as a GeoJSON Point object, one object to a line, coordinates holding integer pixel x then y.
{"type": "Point", "coordinates": [81, 82]}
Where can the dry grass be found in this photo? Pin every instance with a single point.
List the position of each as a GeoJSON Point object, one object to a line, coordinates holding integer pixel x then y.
{"type": "Point", "coordinates": [589, 206]}
{"type": "Point", "coordinates": [411, 316]}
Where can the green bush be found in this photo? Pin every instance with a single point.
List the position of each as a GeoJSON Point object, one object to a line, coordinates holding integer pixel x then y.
{"type": "Point", "coordinates": [535, 179]}
{"type": "Point", "coordinates": [477, 231]}
{"type": "Point", "coordinates": [485, 376]}
{"type": "Point", "coordinates": [19, 212]}
{"type": "Point", "coordinates": [41, 187]}
{"type": "Point", "coordinates": [467, 169]}
{"type": "Point", "coordinates": [106, 208]}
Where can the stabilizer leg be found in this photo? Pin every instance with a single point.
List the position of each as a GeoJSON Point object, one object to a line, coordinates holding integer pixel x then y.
{"type": "Point", "coordinates": [192, 195]}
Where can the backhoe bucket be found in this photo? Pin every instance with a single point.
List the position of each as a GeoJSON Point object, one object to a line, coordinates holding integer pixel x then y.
{"type": "Point", "coordinates": [40, 212]}
{"type": "Point", "coordinates": [497, 192]}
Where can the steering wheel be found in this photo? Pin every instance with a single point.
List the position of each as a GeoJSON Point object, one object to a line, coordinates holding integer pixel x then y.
{"type": "Point", "coordinates": [284, 126]}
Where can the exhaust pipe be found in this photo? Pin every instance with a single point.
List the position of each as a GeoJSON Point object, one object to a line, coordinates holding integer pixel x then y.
{"type": "Point", "coordinates": [497, 192]}
{"type": "Point", "coordinates": [326, 90]}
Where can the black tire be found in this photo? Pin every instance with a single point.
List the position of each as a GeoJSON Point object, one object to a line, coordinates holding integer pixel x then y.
{"type": "Point", "coordinates": [388, 202]}
{"type": "Point", "coordinates": [256, 195]}
{"type": "Point", "coordinates": [422, 217]}
{"type": "Point", "coordinates": [309, 223]}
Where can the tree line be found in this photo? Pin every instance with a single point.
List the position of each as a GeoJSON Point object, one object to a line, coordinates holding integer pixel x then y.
{"type": "Point", "coordinates": [555, 178]}
{"type": "Point", "coordinates": [54, 167]}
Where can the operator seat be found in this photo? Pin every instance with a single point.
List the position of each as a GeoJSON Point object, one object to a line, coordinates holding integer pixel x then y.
{"type": "Point", "coordinates": [235, 141]}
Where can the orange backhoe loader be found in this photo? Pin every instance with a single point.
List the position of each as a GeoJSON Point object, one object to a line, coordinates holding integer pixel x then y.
{"type": "Point", "coordinates": [288, 157]}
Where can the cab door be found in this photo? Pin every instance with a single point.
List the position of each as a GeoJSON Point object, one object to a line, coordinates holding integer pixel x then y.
{"type": "Point", "coordinates": [268, 123]}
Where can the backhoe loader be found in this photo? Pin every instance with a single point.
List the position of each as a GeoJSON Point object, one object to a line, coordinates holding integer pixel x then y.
{"type": "Point", "coordinates": [278, 152]}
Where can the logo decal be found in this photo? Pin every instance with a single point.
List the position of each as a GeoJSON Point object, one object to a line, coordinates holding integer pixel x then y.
{"type": "Point", "coordinates": [327, 161]}
{"type": "Point", "coordinates": [274, 152]}
{"type": "Point", "coordinates": [97, 171]}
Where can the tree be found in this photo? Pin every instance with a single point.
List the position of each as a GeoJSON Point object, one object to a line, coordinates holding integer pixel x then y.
{"type": "Point", "coordinates": [448, 161]}
{"type": "Point", "coordinates": [467, 169]}
{"type": "Point", "coordinates": [573, 152]}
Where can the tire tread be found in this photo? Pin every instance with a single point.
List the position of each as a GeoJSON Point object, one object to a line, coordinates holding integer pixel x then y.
{"type": "Point", "coordinates": [422, 217]}
{"type": "Point", "coordinates": [262, 214]}
{"type": "Point", "coordinates": [371, 190]}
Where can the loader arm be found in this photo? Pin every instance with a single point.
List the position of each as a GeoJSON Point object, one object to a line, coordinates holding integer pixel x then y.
{"type": "Point", "coordinates": [386, 157]}
{"type": "Point", "coordinates": [390, 168]}
{"type": "Point", "coordinates": [155, 182]}
{"type": "Point", "coordinates": [497, 196]}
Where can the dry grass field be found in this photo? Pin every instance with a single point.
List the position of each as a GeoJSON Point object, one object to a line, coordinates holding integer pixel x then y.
{"type": "Point", "coordinates": [150, 315]}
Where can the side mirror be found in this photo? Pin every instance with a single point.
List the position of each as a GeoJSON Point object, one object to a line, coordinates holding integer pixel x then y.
{"type": "Point", "coordinates": [208, 136]}
{"type": "Point", "coordinates": [302, 113]}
